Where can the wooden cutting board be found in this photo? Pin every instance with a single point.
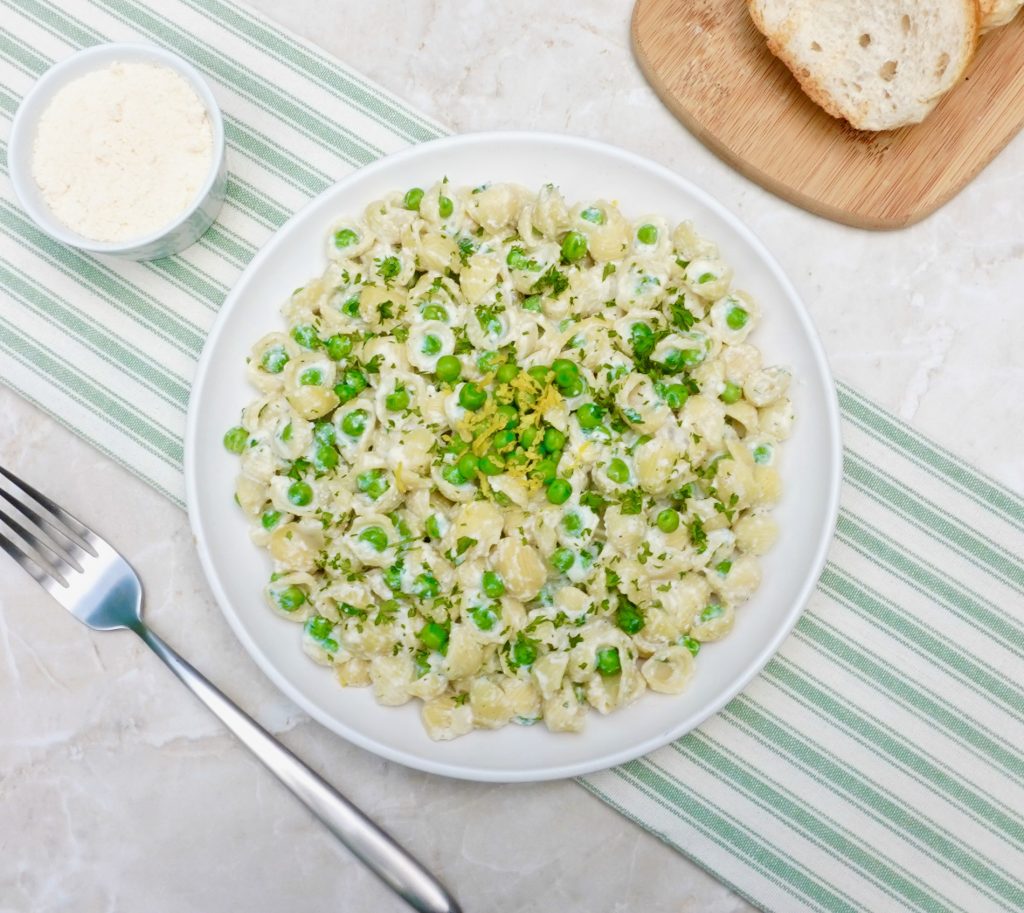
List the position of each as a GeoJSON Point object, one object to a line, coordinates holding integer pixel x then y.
{"type": "Point", "coordinates": [714, 71]}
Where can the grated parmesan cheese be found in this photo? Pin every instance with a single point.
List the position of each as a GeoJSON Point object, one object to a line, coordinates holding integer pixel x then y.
{"type": "Point", "coordinates": [123, 151]}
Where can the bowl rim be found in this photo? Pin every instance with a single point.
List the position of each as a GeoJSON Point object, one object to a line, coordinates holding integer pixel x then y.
{"type": "Point", "coordinates": [23, 130]}
{"type": "Point", "coordinates": [609, 759]}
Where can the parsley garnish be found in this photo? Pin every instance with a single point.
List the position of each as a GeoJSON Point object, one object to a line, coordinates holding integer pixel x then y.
{"type": "Point", "coordinates": [388, 268]}
{"type": "Point", "coordinates": [698, 537]}
{"type": "Point", "coordinates": [552, 279]}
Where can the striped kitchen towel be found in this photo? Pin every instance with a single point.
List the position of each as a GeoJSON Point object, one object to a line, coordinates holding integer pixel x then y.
{"type": "Point", "coordinates": [876, 765]}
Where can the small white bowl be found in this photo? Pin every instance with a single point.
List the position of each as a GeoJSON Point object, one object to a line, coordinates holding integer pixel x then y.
{"type": "Point", "coordinates": [165, 241]}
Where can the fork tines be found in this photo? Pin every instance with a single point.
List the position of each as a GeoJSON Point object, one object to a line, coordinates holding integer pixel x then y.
{"type": "Point", "coordinates": [46, 540]}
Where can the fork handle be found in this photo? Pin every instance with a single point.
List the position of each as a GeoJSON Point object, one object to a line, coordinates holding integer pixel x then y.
{"type": "Point", "coordinates": [392, 864]}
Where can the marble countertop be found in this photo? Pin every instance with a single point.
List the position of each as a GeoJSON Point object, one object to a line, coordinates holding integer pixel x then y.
{"type": "Point", "coordinates": [118, 791]}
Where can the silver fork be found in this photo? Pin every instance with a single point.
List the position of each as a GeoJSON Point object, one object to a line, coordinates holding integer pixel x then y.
{"type": "Point", "coordinates": [96, 585]}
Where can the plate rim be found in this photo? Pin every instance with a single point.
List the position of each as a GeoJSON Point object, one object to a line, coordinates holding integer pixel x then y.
{"type": "Point", "coordinates": [609, 759]}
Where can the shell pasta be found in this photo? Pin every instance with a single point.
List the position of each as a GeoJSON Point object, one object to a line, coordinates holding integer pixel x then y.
{"type": "Point", "coordinates": [512, 457]}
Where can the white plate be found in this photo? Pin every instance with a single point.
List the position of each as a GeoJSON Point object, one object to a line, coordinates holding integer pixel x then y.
{"type": "Point", "coordinates": [237, 570]}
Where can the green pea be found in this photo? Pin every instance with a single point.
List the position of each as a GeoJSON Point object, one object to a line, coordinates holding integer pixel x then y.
{"type": "Point", "coordinates": [397, 401]}
{"type": "Point", "coordinates": [236, 439]}
{"type": "Point", "coordinates": [593, 215]}
{"type": "Point", "coordinates": [467, 465]}
{"type": "Point", "coordinates": [311, 377]}
{"type": "Point", "coordinates": [618, 471]}
{"type": "Point", "coordinates": [564, 367]}
{"type": "Point", "coordinates": [668, 520]}
{"type": "Point", "coordinates": [647, 234]}
{"type": "Point", "coordinates": [546, 470]}
{"type": "Point", "coordinates": [345, 392]}
{"type": "Point", "coordinates": [711, 612]}
{"type": "Point", "coordinates": [300, 494]}
{"type": "Point", "coordinates": [372, 483]}
{"type": "Point", "coordinates": [608, 662]}
{"type": "Point", "coordinates": [736, 318]}
{"type": "Point", "coordinates": [491, 465]}
{"type": "Point", "coordinates": [559, 491]}
{"type": "Point", "coordinates": [433, 527]}
{"type": "Point", "coordinates": [675, 396]}
{"type": "Point", "coordinates": [433, 636]}
{"type": "Point", "coordinates": [413, 198]}
{"type": "Point", "coordinates": [573, 523]}
{"type": "Point", "coordinates": [509, 413]}
{"type": "Point", "coordinates": [345, 238]}
{"type": "Point", "coordinates": [762, 454]}
{"type": "Point", "coordinates": [270, 519]}
{"type": "Point", "coordinates": [589, 416]}
{"type": "Point", "coordinates": [354, 423]}
{"type": "Point", "coordinates": [320, 630]}
{"type": "Point", "coordinates": [554, 440]}
{"type": "Point", "coordinates": [357, 379]}
{"type": "Point", "coordinates": [504, 440]}
{"type": "Point", "coordinates": [457, 445]}
{"type": "Point", "coordinates": [689, 358]}
{"type": "Point", "coordinates": [471, 397]}
{"type": "Point", "coordinates": [518, 260]}
{"type": "Point", "coordinates": [325, 457]}
{"type": "Point", "coordinates": [431, 344]}
{"type": "Point", "coordinates": [527, 436]}
{"type": "Point", "coordinates": [484, 617]}
{"type": "Point", "coordinates": [532, 303]}
{"type": "Point", "coordinates": [350, 308]}
{"type": "Point", "coordinates": [506, 373]}
{"type": "Point", "coordinates": [628, 618]}
{"type": "Point", "coordinates": [731, 394]}
{"type": "Point", "coordinates": [338, 347]}
{"type": "Point", "coordinates": [452, 475]}
{"type": "Point", "coordinates": [375, 537]}
{"type": "Point", "coordinates": [705, 278]}
{"type": "Point", "coordinates": [539, 373]}
{"type": "Point", "coordinates": [434, 312]}
{"type": "Point", "coordinates": [305, 336]}
{"type": "Point", "coordinates": [274, 360]}
{"type": "Point", "coordinates": [448, 368]}
{"type": "Point", "coordinates": [691, 644]}
{"type": "Point", "coordinates": [673, 361]}
{"type": "Point", "coordinates": [492, 585]}
{"type": "Point", "coordinates": [574, 246]}
{"type": "Point", "coordinates": [426, 586]}
{"type": "Point", "coordinates": [567, 377]}
{"type": "Point", "coordinates": [524, 653]}
{"type": "Point", "coordinates": [641, 337]}
{"type": "Point", "coordinates": [723, 567]}
{"type": "Point", "coordinates": [289, 598]}
{"type": "Point", "coordinates": [444, 207]}
{"type": "Point", "coordinates": [562, 559]}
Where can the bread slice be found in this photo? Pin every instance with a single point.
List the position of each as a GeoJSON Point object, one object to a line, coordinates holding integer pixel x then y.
{"type": "Point", "coordinates": [880, 64]}
{"type": "Point", "coordinates": [995, 13]}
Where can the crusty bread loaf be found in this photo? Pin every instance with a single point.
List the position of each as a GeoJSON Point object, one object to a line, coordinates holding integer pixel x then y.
{"type": "Point", "coordinates": [880, 64]}
{"type": "Point", "coordinates": [995, 13]}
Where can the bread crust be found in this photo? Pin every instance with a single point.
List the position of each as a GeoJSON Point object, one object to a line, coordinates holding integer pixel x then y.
{"type": "Point", "coordinates": [996, 13]}
{"type": "Point", "coordinates": [860, 118]}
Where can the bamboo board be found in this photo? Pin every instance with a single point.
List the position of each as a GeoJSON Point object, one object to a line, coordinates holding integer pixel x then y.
{"type": "Point", "coordinates": [713, 69]}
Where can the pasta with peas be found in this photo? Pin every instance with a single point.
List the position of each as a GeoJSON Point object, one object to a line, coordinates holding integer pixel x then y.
{"type": "Point", "coordinates": [512, 457]}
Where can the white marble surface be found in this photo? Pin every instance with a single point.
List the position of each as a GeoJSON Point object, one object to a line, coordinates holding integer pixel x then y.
{"type": "Point", "coordinates": [118, 792]}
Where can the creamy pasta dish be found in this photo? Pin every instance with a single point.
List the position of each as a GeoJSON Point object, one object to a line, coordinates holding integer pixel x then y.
{"type": "Point", "coordinates": [512, 457]}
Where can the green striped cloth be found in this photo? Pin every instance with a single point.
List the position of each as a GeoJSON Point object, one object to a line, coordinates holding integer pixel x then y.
{"type": "Point", "coordinates": [876, 765]}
